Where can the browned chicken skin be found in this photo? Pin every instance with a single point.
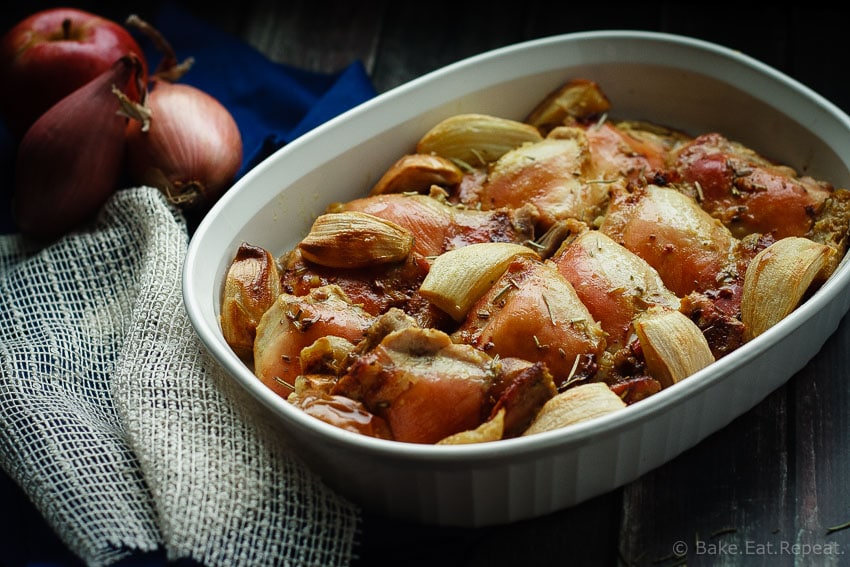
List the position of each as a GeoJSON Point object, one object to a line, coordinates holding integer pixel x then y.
{"type": "Point", "coordinates": [550, 176]}
{"type": "Point", "coordinates": [399, 372]}
{"type": "Point", "coordinates": [438, 226]}
{"type": "Point", "coordinates": [627, 152]}
{"type": "Point", "coordinates": [532, 312]}
{"type": "Point", "coordinates": [696, 257]}
{"type": "Point", "coordinates": [295, 322]}
{"type": "Point", "coordinates": [422, 384]}
{"type": "Point", "coordinates": [747, 193]}
{"type": "Point", "coordinates": [614, 283]}
{"type": "Point", "coordinates": [689, 249]}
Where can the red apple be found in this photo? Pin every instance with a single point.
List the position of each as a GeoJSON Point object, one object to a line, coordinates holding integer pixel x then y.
{"type": "Point", "coordinates": [52, 53]}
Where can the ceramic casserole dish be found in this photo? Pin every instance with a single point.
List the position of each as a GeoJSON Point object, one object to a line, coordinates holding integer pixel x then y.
{"type": "Point", "coordinates": [682, 82]}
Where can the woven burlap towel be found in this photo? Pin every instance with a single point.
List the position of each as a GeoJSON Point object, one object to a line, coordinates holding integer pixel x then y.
{"type": "Point", "coordinates": [122, 430]}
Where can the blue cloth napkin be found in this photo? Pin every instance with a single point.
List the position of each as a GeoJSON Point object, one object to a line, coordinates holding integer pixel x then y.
{"type": "Point", "coordinates": [271, 102]}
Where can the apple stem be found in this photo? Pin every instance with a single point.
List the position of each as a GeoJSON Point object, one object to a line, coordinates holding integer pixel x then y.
{"type": "Point", "coordinates": [66, 28]}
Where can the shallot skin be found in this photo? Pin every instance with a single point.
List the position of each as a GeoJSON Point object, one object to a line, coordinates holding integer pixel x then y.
{"type": "Point", "coordinates": [70, 161]}
{"type": "Point", "coordinates": [192, 149]}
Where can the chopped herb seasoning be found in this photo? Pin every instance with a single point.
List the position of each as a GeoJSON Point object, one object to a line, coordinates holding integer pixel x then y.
{"type": "Point", "coordinates": [548, 308]}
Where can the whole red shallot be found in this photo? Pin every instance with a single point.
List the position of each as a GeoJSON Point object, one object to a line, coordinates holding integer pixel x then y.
{"type": "Point", "coordinates": [188, 145]}
{"type": "Point", "coordinates": [71, 159]}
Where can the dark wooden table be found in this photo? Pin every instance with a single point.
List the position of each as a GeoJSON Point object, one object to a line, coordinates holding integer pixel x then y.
{"type": "Point", "coordinates": [772, 487]}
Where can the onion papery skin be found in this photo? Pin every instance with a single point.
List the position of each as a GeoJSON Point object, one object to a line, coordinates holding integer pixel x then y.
{"type": "Point", "coordinates": [70, 161]}
{"type": "Point", "coordinates": [192, 149]}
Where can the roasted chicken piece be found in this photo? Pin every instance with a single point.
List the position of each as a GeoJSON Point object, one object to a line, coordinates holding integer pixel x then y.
{"type": "Point", "coordinates": [294, 322]}
{"type": "Point", "coordinates": [612, 282]}
{"type": "Point", "coordinates": [689, 249]}
{"type": "Point", "coordinates": [632, 305]}
{"type": "Point", "coordinates": [700, 260]}
{"type": "Point", "coordinates": [551, 175]}
{"type": "Point", "coordinates": [520, 390]}
{"type": "Point", "coordinates": [532, 312]}
{"type": "Point", "coordinates": [374, 289]}
{"type": "Point", "coordinates": [435, 225]}
{"type": "Point", "coordinates": [748, 193]}
{"type": "Point", "coordinates": [251, 285]}
{"type": "Point", "coordinates": [438, 226]}
{"type": "Point", "coordinates": [428, 388]}
{"type": "Point", "coordinates": [630, 150]}
{"type": "Point", "coordinates": [514, 390]}
{"type": "Point", "coordinates": [697, 258]}
{"type": "Point", "coordinates": [569, 174]}
{"type": "Point", "coordinates": [425, 386]}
